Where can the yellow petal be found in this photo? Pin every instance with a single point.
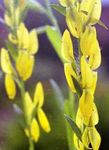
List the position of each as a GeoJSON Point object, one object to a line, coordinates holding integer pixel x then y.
{"type": "Point", "coordinates": [69, 72]}
{"type": "Point", "coordinates": [94, 117]}
{"type": "Point", "coordinates": [23, 37]}
{"type": "Point", "coordinates": [67, 47]}
{"type": "Point", "coordinates": [78, 144]}
{"type": "Point", "coordinates": [95, 138]}
{"type": "Point", "coordinates": [85, 138]}
{"type": "Point", "coordinates": [10, 86]}
{"type": "Point", "coordinates": [96, 12]}
{"type": "Point", "coordinates": [86, 73]}
{"type": "Point", "coordinates": [95, 59]}
{"type": "Point", "coordinates": [43, 120]}
{"type": "Point", "coordinates": [33, 42]}
{"type": "Point", "coordinates": [86, 105]}
{"type": "Point", "coordinates": [79, 120]}
{"type": "Point", "coordinates": [34, 132]}
{"type": "Point", "coordinates": [5, 61]}
{"type": "Point", "coordinates": [71, 23]}
{"type": "Point", "coordinates": [8, 20]}
{"type": "Point", "coordinates": [94, 82]}
{"type": "Point", "coordinates": [24, 65]}
{"type": "Point", "coordinates": [63, 2]}
{"type": "Point", "coordinates": [88, 41]}
{"type": "Point", "coordinates": [39, 95]}
{"type": "Point", "coordinates": [28, 107]}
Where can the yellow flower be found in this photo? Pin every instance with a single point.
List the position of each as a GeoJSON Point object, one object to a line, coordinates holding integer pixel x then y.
{"type": "Point", "coordinates": [35, 107]}
{"type": "Point", "coordinates": [74, 21]}
{"type": "Point", "coordinates": [38, 95]}
{"type": "Point", "coordinates": [43, 120]}
{"type": "Point", "coordinates": [5, 61]}
{"type": "Point", "coordinates": [10, 86]}
{"type": "Point", "coordinates": [86, 105]}
{"type": "Point", "coordinates": [69, 72]}
{"type": "Point", "coordinates": [86, 74]}
{"type": "Point", "coordinates": [24, 65]}
{"type": "Point", "coordinates": [34, 131]}
{"type": "Point", "coordinates": [88, 41]}
{"type": "Point", "coordinates": [67, 47]}
{"type": "Point", "coordinates": [27, 41]}
{"type": "Point", "coordinates": [95, 59]}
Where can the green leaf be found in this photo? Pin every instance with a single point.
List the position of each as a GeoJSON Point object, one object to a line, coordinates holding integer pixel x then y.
{"type": "Point", "coordinates": [102, 24]}
{"type": "Point", "coordinates": [77, 86]}
{"type": "Point", "coordinates": [74, 127]}
{"type": "Point", "coordinates": [69, 110]}
{"type": "Point", "coordinates": [58, 94]}
{"type": "Point", "coordinates": [59, 8]}
{"type": "Point", "coordinates": [55, 40]}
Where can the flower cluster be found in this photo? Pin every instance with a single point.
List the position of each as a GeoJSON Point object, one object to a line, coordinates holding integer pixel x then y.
{"type": "Point", "coordinates": [80, 72]}
{"type": "Point", "coordinates": [17, 63]}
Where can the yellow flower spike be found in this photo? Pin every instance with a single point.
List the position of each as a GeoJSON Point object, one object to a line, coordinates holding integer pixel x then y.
{"type": "Point", "coordinates": [94, 138]}
{"type": "Point", "coordinates": [96, 12]}
{"type": "Point", "coordinates": [34, 132]}
{"type": "Point", "coordinates": [86, 105]}
{"type": "Point", "coordinates": [95, 59]}
{"type": "Point", "coordinates": [88, 41]}
{"type": "Point", "coordinates": [10, 86]}
{"type": "Point", "coordinates": [94, 119]}
{"type": "Point", "coordinates": [5, 61]}
{"type": "Point", "coordinates": [67, 47]}
{"type": "Point", "coordinates": [86, 73]}
{"type": "Point", "coordinates": [24, 64]}
{"type": "Point", "coordinates": [33, 43]}
{"type": "Point", "coordinates": [23, 37]}
{"type": "Point", "coordinates": [43, 120]}
{"type": "Point", "coordinates": [69, 72]}
{"type": "Point", "coordinates": [39, 95]}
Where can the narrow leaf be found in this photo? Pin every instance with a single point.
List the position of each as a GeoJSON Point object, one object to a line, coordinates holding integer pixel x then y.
{"type": "Point", "coordinates": [102, 24]}
{"type": "Point", "coordinates": [74, 127]}
{"type": "Point", "coordinates": [59, 8]}
{"type": "Point", "coordinates": [58, 93]}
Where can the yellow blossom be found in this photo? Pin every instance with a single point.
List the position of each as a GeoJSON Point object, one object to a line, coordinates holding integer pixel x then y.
{"type": "Point", "coordinates": [43, 120]}
{"type": "Point", "coordinates": [86, 74]}
{"type": "Point", "coordinates": [67, 47]}
{"type": "Point", "coordinates": [24, 64]}
{"type": "Point", "coordinates": [34, 131]}
{"type": "Point", "coordinates": [39, 95]}
{"type": "Point", "coordinates": [69, 73]}
{"type": "Point", "coordinates": [88, 41]}
{"type": "Point", "coordinates": [86, 105]}
{"type": "Point", "coordinates": [10, 86]}
{"type": "Point", "coordinates": [5, 61]}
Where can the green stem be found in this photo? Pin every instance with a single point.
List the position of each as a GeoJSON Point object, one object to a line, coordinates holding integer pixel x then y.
{"type": "Point", "coordinates": [50, 15]}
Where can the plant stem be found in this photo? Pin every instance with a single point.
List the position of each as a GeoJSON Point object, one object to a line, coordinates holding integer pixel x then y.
{"type": "Point", "coordinates": [50, 15]}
